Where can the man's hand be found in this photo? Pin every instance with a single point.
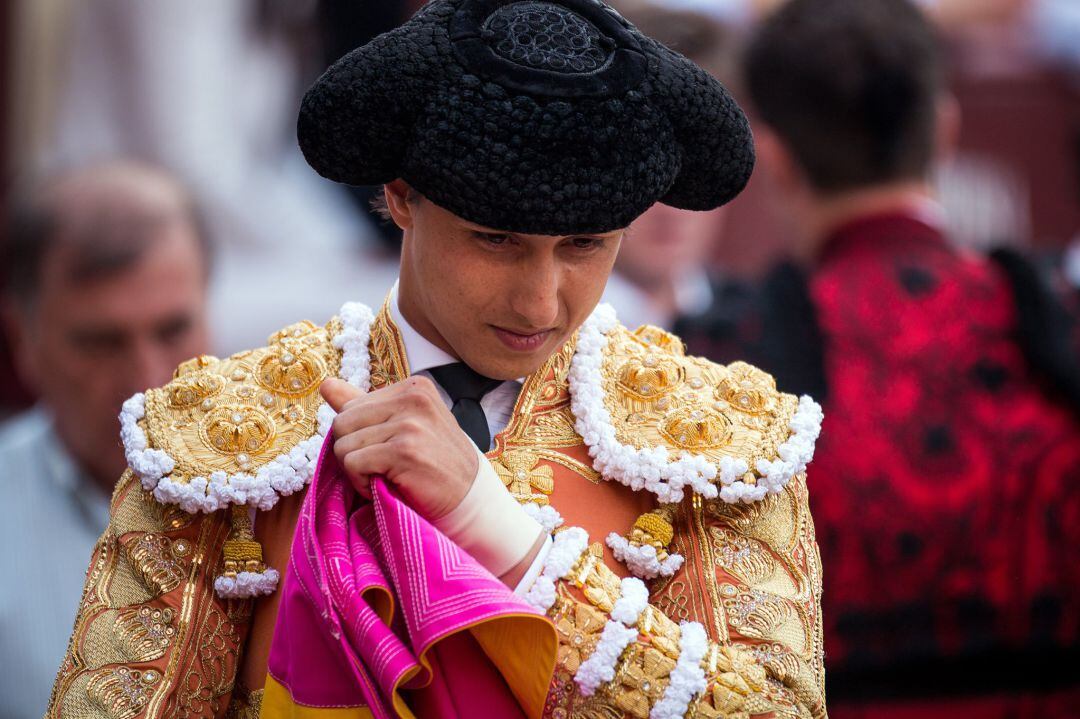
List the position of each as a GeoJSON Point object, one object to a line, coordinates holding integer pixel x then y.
{"type": "Point", "coordinates": [405, 433]}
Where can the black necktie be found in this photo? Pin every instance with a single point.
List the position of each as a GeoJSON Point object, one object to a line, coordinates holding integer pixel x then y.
{"type": "Point", "coordinates": [466, 388]}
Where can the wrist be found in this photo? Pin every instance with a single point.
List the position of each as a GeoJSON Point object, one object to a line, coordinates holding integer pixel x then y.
{"type": "Point", "coordinates": [522, 577]}
{"type": "Point", "coordinates": [490, 525]}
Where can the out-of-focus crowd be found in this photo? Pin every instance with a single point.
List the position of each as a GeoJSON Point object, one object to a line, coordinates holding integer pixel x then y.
{"type": "Point", "coordinates": [908, 252]}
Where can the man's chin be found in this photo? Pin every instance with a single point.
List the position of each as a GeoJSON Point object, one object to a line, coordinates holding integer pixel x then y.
{"type": "Point", "coordinates": [504, 364]}
{"type": "Point", "coordinates": [512, 370]}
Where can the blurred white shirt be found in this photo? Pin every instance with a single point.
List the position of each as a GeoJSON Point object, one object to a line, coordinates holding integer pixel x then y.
{"type": "Point", "coordinates": [53, 516]}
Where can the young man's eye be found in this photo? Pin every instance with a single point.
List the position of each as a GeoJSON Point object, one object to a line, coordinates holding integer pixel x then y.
{"type": "Point", "coordinates": [587, 243]}
{"type": "Point", "coordinates": [493, 238]}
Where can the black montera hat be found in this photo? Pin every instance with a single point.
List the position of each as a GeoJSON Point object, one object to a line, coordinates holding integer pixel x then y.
{"type": "Point", "coordinates": [549, 117]}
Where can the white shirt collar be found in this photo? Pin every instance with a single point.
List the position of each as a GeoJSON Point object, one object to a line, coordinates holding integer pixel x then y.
{"type": "Point", "coordinates": [420, 353]}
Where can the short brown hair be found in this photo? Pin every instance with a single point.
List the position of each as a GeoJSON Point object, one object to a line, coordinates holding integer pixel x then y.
{"type": "Point", "coordinates": [108, 213]}
{"type": "Point", "coordinates": [851, 87]}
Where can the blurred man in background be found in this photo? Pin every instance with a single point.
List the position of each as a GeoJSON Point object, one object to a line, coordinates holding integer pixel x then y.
{"type": "Point", "coordinates": [106, 282]}
{"type": "Point", "coordinates": [663, 273]}
{"type": "Point", "coordinates": [946, 497]}
{"type": "Point", "coordinates": [208, 90]}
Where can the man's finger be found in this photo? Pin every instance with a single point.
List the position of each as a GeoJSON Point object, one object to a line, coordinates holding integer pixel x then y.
{"type": "Point", "coordinates": [373, 410]}
{"type": "Point", "coordinates": [365, 462]}
{"type": "Point", "coordinates": [338, 392]}
{"type": "Point", "coordinates": [362, 485]}
{"type": "Point", "coordinates": [364, 437]}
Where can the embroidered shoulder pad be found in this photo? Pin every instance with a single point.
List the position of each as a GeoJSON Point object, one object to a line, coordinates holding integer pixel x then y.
{"type": "Point", "coordinates": [658, 419]}
{"type": "Point", "coordinates": [247, 429]}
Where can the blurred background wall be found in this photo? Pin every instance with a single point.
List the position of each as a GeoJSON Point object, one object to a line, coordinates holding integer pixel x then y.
{"type": "Point", "coordinates": [1016, 177]}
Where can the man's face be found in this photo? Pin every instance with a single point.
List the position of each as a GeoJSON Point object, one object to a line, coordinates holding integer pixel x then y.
{"type": "Point", "coordinates": [665, 242]}
{"type": "Point", "coordinates": [86, 347]}
{"type": "Point", "coordinates": [502, 302]}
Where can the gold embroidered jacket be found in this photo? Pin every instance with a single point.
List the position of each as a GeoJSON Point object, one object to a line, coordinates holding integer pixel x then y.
{"type": "Point", "coordinates": [153, 639]}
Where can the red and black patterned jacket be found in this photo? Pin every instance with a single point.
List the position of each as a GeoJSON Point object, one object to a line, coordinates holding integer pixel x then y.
{"type": "Point", "coordinates": [947, 477]}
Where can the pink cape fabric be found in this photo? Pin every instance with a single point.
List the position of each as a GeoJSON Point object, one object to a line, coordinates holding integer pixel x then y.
{"type": "Point", "coordinates": [376, 601]}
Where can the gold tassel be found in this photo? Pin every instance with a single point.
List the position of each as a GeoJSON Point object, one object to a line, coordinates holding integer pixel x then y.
{"type": "Point", "coordinates": [242, 552]}
{"type": "Point", "coordinates": [654, 528]}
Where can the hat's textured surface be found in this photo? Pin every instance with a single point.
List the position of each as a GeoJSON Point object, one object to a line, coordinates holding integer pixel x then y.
{"type": "Point", "coordinates": [549, 117]}
{"type": "Point", "coordinates": [546, 37]}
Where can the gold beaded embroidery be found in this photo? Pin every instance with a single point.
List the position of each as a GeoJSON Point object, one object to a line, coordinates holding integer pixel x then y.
{"type": "Point", "coordinates": [649, 377]}
{"type": "Point", "coordinates": [641, 680]}
{"type": "Point", "coordinates": [527, 479]}
{"type": "Point", "coordinates": [234, 429]}
{"type": "Point", "coordinates": [236, 414]}
{"type": "Point", "coordinates": [290, 367]}
{"type": "Point", "coordinates": [579, 627]}
{"type": "Point", "coordinates": [123, 692]}
{"type": "Point", "coordinates": [745, 388]}
{"type": "Point", "coordinates": [186, 392]}
{"type": "Point", "coordinates": [388, 361]}
{"type": "Point", "coordinates": [736, 681]}
{"type": "Point", "coordinates": [144, 633]}
{"type": "Point", "coordinates": [261, 383]}
{"type": "Point", "coordinates": [656, 395]}
{"type": "Point", "coordinates": [755, 613]}
{"type": "Point", "coordinates": [156, 562]}
{"type": "Point", "coordinates": [207, 681]}
{"type": "Point", "coordinates": [745, 558]}
{"type": "Point", "coordinates": [778, 659]}
{"type": "Point", "coordinates": [652, 337]}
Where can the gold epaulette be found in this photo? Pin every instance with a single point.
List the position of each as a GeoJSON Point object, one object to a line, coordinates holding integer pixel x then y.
{"type": "Point", "coordinates": [239, 432]}
{"type": "Point", "coordinates": [657, 395]}
{"type": "Point", "coordinates": [237, 415]}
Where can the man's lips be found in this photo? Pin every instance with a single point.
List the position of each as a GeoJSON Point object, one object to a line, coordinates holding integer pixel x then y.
{"type": "Point", "coordinates": [522, 341]}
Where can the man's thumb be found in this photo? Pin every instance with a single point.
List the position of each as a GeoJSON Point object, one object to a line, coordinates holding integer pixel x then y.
{"type": "Point", "coordinates": [337, 393]}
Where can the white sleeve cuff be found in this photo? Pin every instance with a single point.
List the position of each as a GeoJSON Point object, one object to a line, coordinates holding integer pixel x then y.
{"type": "Point", "coordinates": [535, 569]}
{"type": "Point", "coordinates": [490, 525]}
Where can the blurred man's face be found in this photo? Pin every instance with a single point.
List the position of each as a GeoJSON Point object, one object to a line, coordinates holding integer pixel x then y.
{"type": "Point", "coordinates": [87, 347]}
{"type": "Point", "coordinates": [501, 302]}
{"type": "Point", "coordinates": [665, 242]}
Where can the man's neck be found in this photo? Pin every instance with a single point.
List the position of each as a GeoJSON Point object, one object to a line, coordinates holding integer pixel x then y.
{"type": "Point", "coordinates": [412, 310]}
{"type": "Point", "coordinates": [825, 214]}
{"type": "Point", "coordinates": [105, 482]}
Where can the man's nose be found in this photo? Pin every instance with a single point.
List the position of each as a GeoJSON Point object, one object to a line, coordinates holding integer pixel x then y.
{"type": "Point", "coordinates": [536, 294]}
{"type": "Point", "coordinates": [151, 365]}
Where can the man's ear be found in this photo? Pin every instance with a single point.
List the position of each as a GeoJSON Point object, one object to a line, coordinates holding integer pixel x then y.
{"type": "Point", "coordinates": [16, 331]}
{"type": "Point", "coordinates": [401, 209]}
{"type": "Point", "coordinates": [775, 158]}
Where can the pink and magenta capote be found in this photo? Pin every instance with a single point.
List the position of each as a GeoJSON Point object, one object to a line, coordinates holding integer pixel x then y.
{"type": "Point", "coordinates": [380, 610]}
